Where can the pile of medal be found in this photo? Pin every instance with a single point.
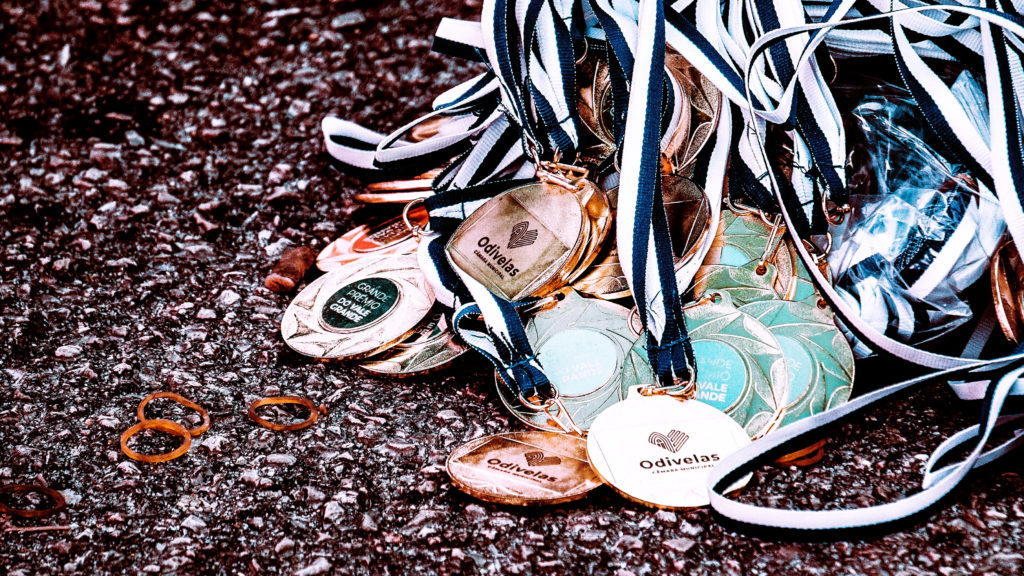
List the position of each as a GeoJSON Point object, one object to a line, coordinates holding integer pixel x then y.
{"type": "Point", "coordinates": [766, 345]}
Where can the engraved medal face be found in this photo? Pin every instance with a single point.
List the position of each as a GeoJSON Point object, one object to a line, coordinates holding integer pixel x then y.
{"type": "Point", "coordinates": [523, 468]}
{"type": "Point", "coordinates": [689, 215]}
{"type": "Point", "coordinates": [742, 284]}
{"type": "Point", "coordinates": [520, 240]}
{"type": "Point", "coordinates": [358, 310]}
{"type": "Point", "coordinates": [1007, 277]}
{"type": "Point", "coordinates": [705, 102]}
{"type": "Point", "coordinates": [741, 369]}
{"type": "Point", "coordinates": [581, 343]}
{"type": "Point", "coordinates": [432, 346]}
{"type": "Point", "coordinates": [818, 357]}
{"type": "Point", "coordinates": [381, 239]}
{"type": "Point", "coordinates": [658, 450]}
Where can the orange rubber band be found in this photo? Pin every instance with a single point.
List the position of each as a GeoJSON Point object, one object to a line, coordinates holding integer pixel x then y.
{"type": "Point", "coordinates": [163, 426]}
{"type": "Point", "coordinates": [180, 400]}
{"type": "Point", "coordinates": [805, 456]}
{"type": "Point", "coordinates": [313, 412]}
{"type": "Point", "coordinates": [57, 497]}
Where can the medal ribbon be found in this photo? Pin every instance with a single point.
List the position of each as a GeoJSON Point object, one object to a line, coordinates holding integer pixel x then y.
{"type": "Point", "coordinates": [998, 162]}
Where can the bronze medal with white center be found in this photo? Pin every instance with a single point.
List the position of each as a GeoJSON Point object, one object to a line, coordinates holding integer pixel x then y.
{"type": "Point", "coordinates": [385, 238]}
{"type": "Point", "coordinates": [358, 310]}
{"type": "Point", "coordinates": [432, 347]}
{"type": "Point", "coordinates": [523, 468]}
{"type": "Point", "coordinates": [581, 343]}
{"type": "Point", "coordinates": [528, 240]}
{"type": "Point", "coordinates": [659, 450]}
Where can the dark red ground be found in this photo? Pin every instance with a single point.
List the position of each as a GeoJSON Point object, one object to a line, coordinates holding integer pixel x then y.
{"type": "Point", "coordinates": [154, 160]}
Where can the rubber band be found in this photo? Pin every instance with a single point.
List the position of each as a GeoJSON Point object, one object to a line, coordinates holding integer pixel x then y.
{"type": "Point", "coordinates": [314, 412]}
{"type": "Point", "coordinates": [180, 400]}
{"type": "Point", "coordinates": [57, 497]}
{"type": "Point", "coordinates": [167, 426]}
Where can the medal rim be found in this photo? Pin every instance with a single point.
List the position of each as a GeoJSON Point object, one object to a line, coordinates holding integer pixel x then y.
{"type": "Point", "coordinates": [472, 444]}
{"type": "Point", "coordinates": [739, 485]}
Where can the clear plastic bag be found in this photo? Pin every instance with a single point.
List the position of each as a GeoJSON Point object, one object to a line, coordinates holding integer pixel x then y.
{"type": "Point", "coordinates": [921, 230]}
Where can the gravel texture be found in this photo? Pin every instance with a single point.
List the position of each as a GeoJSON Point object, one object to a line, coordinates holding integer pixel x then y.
{"type": "Point", "coordinates": [156, 159]}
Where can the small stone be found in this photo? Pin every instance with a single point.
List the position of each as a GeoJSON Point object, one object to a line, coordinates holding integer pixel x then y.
{"type": "Point", "coordinates": [666, 517]}
{"type": "Point", "coordinates": [447, 415]}
{"type": "Point", "coordinates": [94, 174]}
{"type": "Point", "coordinates": [320, 566]}
{"type": "Point", "coordinates": [215, 444]}
{"type": "Point", "coordinates": [403, 448]}
{"type": "Point", "coordinates": [167, 198]}
{"type": "Point", "coordinates": [204, 224]}
{"type": "Point", "coordinates": [281, 459]}
{"type": "Point", "coordinates": [629, 543]}
{"type": "Point", "coordinates": [206, 314]}
{"type": "Point", "coordinates": [68, 352]}
{"type": "Point", "coordinates": [299, 107]}
{"type": "Point", "coordinates": [71, 497]}
{"type": "Point", "coordinates": [228, 298]}
{"type": "Point", "coordinates": [251, 476]}
{"type": "Point", "coordinates": [134, 138]}
{"type": "Point", "coordinates": [347, 20]}
{"type": "Point", "coordinates": [193, 523]}
{"type": "Point", "coordinates": [121, 368]}
{"type": "Point", "coordinates": [680, 545]}
{"type": "Point", "coordinates": [592, 537]}
{"type": "Point", "coordinates": [129, 468]}
{"type": "Point", "coordinates": [368, 523]}
{"type": "Point", "coordinates": [285, 545]}
{"type": "Point", "coordinates": [333, 511]}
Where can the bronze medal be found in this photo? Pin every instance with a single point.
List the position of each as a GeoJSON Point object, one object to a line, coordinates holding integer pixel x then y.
{"type": "Point", "coordinates": [1007, 278]}
{"type": "Point", "coordinates": [523, 468]}
{"type": "Point", "coordinates": [432, 347]}
{"type": "Point", "coordinates": [369, 240]}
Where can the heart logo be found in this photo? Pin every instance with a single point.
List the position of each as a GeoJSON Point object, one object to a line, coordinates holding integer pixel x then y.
{"type": "Point", "coordinates": [522, 235]}
{"type": "Point", "coordinates": [539, 459]}
{"type": "Point", "coordinates": [672, 441]}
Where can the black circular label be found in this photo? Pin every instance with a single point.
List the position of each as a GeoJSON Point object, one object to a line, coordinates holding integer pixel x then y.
{"type": "Point", "coordinates": [360, 303]}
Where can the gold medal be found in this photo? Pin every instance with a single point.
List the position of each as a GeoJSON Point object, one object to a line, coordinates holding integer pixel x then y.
{"type": "Point", "coordinates": [659, 450]}
{"type": "Point", "coordinates": [432, 347]}
{"type": "Point", "coordinates": [523, 468]}
{"type": "Point", "coordinates": [1007, 277]}
{"type": "Point", "coordinates": [529, 240]}
{"type": "Point", "coordinates": [581, 343]}
{"type": "Point", "coordinates": [382, 239]}
{"type": "Point", "coordinates": [358, 310]}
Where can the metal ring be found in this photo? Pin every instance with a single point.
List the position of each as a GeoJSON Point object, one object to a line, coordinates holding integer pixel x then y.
{"type": "Point", "coordinates": [538, 407]}
{"type": "Point", "coordinates": [180, 400]}
{"type": "Point", "coordinates": [586, 50]}
{"type": "Point", "coordinates": [167, 426]}
{"type": "Point", "coordinates": [417, 231]}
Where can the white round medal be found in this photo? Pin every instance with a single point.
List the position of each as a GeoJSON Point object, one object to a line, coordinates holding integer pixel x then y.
{"type": "Point", "coordinates": [658, 450]}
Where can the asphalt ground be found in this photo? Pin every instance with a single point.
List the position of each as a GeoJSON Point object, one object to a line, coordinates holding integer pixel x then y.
{"type": "Point", "coordinates": [155, 159]}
